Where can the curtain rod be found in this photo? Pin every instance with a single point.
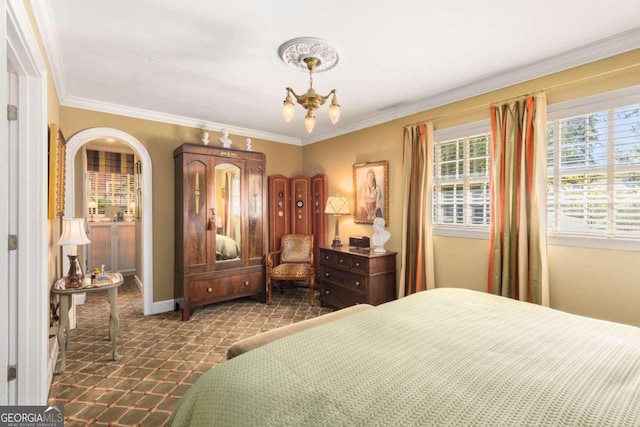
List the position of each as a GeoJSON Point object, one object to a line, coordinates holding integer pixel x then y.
{"type": "Point", "coordinates": [488, 104]}
{"type": "Point", "coordinates": [476, 107]}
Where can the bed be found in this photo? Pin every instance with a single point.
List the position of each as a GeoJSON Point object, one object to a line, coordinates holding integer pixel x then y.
{"type": "Point", "coordinates": [226, 248]}
{"type": "Point", "coordinates": [449, 357]}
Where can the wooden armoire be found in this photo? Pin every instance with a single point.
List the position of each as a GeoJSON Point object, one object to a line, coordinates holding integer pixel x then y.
{"type": "Point", "coordinates": [220, 225]}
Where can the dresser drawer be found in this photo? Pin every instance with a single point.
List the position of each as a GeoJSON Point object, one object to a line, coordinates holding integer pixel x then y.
{"type": "Point", "coordinates": [352, 262]}
{"type": "Point", "coordinates": [340, 296]}
{"type": "Point", "coordinates": [327, 257]}
{"type": "Point", "coordinates": [348, 279]}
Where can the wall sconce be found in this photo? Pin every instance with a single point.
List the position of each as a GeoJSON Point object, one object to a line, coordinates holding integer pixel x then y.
{"type": "Point", "coordinates": [337, 206]}
{"type": "Point", "coordinates": [73, 234]}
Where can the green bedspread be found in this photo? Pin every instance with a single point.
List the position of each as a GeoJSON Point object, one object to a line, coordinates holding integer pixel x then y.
{"type": "Point", "coordinates": [445, 357]}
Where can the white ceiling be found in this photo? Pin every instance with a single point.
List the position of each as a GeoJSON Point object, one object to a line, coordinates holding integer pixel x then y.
{"type": "Point", "coordinates": [214, 64]}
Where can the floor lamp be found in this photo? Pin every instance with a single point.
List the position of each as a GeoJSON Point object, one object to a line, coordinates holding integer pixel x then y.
{"type": "Point", "coordinates": [337, 206]}
{"type": "Point", "coordinates": [73, 234]}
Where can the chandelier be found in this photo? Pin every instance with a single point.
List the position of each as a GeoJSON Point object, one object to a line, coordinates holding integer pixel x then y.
{"type": "Point", "coordinates": [313, 55]}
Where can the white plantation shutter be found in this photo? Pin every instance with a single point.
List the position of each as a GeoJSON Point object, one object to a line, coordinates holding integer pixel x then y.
{"type": "Point", "coordinates": [461, 182]}
{"type": "Point", "coordinates": [111, 189]}
{"type": "Point", "coordinates": [594, 174]}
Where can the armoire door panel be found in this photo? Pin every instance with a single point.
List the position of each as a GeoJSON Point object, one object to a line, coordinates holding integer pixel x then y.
{"type": "Point", "coordinates": [255, 243]}
{"type": "Point", "coordinates": [301, 205]}
{"type": "Point", "coordinates": [279, 210]}
{"type": "Point", "coordinates": [197, 251]}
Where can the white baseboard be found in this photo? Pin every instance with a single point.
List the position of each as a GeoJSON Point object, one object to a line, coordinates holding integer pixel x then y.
{"type": "Point", "coordinates": [51, 363]}
{"type": "Point", "coordinates": [160, 306]}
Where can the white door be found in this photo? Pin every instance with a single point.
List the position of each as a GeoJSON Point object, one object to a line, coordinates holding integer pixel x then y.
{"type": "Point", "coordinates": [8, 263]}
{"type": "Point", "coordinates": [13, 231]}
{"type": "Point", "coordinates": [24, 296]}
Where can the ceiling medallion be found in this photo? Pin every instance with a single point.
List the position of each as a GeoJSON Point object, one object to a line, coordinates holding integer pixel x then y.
{"type": "Point", "coordinates": [312, 55]}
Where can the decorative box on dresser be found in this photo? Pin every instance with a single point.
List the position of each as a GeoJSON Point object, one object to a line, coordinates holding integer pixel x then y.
{"type": "Point", "coordinates": [350, 277]}
{"type": "Point", "coordinates": [220, 225]}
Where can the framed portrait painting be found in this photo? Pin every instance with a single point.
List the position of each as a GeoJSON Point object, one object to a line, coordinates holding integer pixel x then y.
{"type": "Point", "coordinates": [56, 172]}
{"type": "Point", "coordinates": [371, 191]}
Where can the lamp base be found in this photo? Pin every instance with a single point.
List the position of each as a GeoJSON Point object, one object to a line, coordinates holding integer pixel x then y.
{"type": "Point", "coordinates": [336, 243]}
{"type": "Point", "coordinates": [75, 277]}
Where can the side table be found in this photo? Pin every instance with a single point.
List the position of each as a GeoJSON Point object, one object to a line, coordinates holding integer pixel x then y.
{"type": "Point", "coordinates": [65, 295]}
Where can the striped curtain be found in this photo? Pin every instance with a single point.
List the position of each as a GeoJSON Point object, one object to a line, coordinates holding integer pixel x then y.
{"type": "Point", "coordinates": [416, 264]}
{"type": "Point", "coordinates": [108, 162]}
{"type": "Point", "coordinates": [518, 266]}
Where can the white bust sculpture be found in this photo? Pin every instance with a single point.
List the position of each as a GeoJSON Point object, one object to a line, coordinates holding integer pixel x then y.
{"type": "Point", "coordinates": [224, 138]}
{"type": "Point", "coordinates": [380, 235]}
{"type": "Point", "coordinates": [205, 138]}
{"type": "Point", "coordinates": [248, 143]}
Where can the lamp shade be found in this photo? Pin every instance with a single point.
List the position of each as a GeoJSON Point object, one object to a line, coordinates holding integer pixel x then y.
{"type": "Point", "coordinates": [337, 205]}
{"type": "Point", "coordinates": [73, 232]}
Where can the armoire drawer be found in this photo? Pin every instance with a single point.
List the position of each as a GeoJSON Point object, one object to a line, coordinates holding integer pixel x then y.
{"type": "Point", "coordinates": [205, 291]}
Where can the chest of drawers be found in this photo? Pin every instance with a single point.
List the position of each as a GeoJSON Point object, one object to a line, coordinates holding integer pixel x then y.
{"type": "Point", "coordinates": [350, 277]}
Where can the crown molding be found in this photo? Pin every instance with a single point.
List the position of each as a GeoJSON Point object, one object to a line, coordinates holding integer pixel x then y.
{"type": "Point", "coordinates": [44, 20]}
{"type": "Point", "coordinates": [140, 113]}
{"type": "Point", "coordinates": [601, 49]}
{"type": "Point", "coordinates": [614, 45]}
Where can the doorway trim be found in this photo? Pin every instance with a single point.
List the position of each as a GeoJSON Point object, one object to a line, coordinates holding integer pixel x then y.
{"type": "Point", "coordinates": [73, 146]}
{"type": "Point", "coordinates": [20, 48]}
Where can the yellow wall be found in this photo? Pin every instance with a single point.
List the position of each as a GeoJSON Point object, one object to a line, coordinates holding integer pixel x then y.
{"type": "Point", "coordinates": [54, 262]}
{"type": "Point", "coordinates": [582, 281]}
{"type": "Point", "coordinates": [600, 291]}
{"type": "Point", "coordinates": [160, 140]}
{"type": "Point", "coordinates": [597, 283]}
{"type": "Point", "coordinates": [53, 116]}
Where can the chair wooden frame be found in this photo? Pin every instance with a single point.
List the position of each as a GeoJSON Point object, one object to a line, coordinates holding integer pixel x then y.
{"type": "Point", "coordinates": [295, 270]}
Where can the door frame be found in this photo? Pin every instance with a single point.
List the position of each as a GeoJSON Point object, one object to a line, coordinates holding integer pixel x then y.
{"type": "Point", "coordinates": [32, 315]}
{"type": "Point", "coordinates": [74, 145]}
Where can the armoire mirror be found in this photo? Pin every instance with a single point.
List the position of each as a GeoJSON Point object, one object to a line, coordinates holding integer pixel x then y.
{"type": "Point", "coordinates": [228, 211]}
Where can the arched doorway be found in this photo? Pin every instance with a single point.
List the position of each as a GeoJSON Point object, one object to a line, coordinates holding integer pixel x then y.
{"type": "Point", "coordinates": [73, 145]}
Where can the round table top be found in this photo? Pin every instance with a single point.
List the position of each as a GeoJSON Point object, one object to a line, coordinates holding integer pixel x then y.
{"type": "Point", "coordinates": [115, 280]}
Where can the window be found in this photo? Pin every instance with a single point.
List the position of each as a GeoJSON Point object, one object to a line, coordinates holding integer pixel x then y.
{"type": "Point", "coordinates": [594, 174]}
{"type": "Point", "coordinates": [593, 161]}
{"type": "Point", "coordinates": [461, 182]}
{"type": "Point", "coordinates": [110, 189]}
{"type": "Point", "coordinates": [110, 182]}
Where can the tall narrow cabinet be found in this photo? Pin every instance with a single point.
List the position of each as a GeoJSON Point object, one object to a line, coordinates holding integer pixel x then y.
{"type": "Point", "coordinates": [220, 225]}
{"type": "Point", "coordinates": [296, 205]}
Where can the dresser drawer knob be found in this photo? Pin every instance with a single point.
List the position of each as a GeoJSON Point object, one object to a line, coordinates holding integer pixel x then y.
{"type": "Point", "coordinates": [327, 292]}
{"type": "Point", "coordinates": [209, 290]}
{"type": "Point", "coordinates": [326, 257]}
{"type": "Point", "coordinates": [326, 274]}
{"type": "Point", "coordinates": [357, 264]}
{"type": "Point", "coordinates": [246, 283]}
{"type": "Point", "coordinates": [357, 283]}
{"type": "Point", "coordinates": [341, 260]}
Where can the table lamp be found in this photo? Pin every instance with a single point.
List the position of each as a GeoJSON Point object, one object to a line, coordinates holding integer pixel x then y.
{"type": "Point", "coordinates": [73, 234]}
{"type": "Point", "coordinates": [337, 206]}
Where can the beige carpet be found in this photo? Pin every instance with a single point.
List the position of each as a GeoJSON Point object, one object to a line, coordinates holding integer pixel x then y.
{"type": "Point", "coordinates": [159, 356]}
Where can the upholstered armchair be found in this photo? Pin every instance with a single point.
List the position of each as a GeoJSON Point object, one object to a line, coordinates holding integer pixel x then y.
{"type": "Point", "coordinates": [293, 262]}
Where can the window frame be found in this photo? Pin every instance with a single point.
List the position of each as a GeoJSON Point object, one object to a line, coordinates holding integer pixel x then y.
{"type": "Point", "coordinates": [448, 134]}
{"type": "Point", "coordinates": [583, 106]}
{"type": "Point", "coordinates": [557, 111]}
